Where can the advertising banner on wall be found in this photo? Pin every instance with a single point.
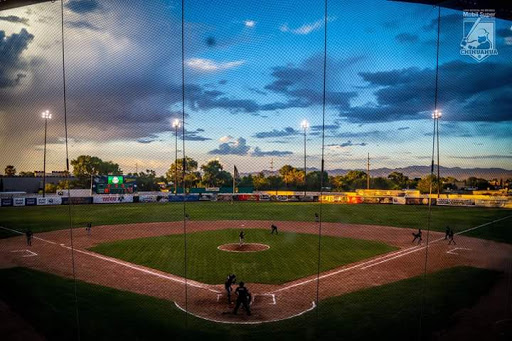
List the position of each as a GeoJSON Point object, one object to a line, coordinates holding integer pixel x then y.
{"type": "Point", "coordinates": [455, 202]}
{"type": "Point", "coordinates": [30, 201]}
{"type": "Point", "coordinates": [491, 202]}
{"type": "Point", "coordinates": [77, 200]}
{"type": "Point", "coordinates": [112, 199]}
{"type": "Point", "coordinates": [18, 201]}
{"type": "Point", "coordinates": [6, 201]}
{"type": "Point", "coordinates": [50, 201]}
{"type": "Point", "coordinates": [399, 201]}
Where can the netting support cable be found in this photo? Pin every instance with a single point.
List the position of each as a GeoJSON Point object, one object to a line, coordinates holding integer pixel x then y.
{"type": "Point", "coordinates": [322, 166]}
{"type": "Point", "coordinates": [184, 161]}
{"type": "Point", "coordinates": [429, 214]}
{"type": "Point", "coordinates": [68, 177]}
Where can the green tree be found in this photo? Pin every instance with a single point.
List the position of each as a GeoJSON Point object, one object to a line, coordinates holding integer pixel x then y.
{"type": "Point", "coordinates": [192, 176]}
{"type": "Point", "coordinates": [380, 183]}
{"type": "Point", "coordinates": [86, 166]}
{"type": "Point", "coordinates": [477, 182]}
{"type": "Point", "coordinates": [214, 175]}
{"type": "Point", "coordinates": [314, 180]}
{"type": "Point", "coordinates": [338, 183]}
{"type": "Point", "coordinates": [51, 188]}
{"type": "Point", "coordinates": [260, 181]}
{"type": "Point", "coordinates": [10, 170]}
{"type": "Point", "coordinates": [424, 184]}
{"type": "Point", "coordinates": [399, 180]}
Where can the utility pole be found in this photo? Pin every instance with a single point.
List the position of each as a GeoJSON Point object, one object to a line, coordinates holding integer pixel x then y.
{"type": "Point", "coordinates": [368, 173]}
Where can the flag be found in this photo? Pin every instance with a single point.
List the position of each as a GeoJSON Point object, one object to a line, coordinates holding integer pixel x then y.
{"type": "Point", "coordinates": [236, 175]}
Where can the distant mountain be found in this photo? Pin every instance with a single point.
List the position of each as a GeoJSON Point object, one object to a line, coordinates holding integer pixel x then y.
{"type": "Point", "coordinates": [421, 171]}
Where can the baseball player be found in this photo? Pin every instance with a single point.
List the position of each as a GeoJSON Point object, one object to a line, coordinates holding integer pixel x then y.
{"type": "Point", "coordinates": [446, 232]}
{"type": "Point", "coordinates": [29, 236]}
{"type": "Point", "coordinates": [317, 218]}
{"type": "Point", "coordinates": [274, 229]}
{"type": "Point", "coordinates": [450, 237]}
{"type": "Point", "coordinates": [417, 236]}
{"type": "Point", "coordinates": [243, 298]}
{"type": "Point", "coordinates": [241, 237]}
{"type": "Point", "coordinates": [227, 285]}
{"type": "Point", "coordinates": [187, 217]}
{"type": "Point", "coordinates": [88, 228]}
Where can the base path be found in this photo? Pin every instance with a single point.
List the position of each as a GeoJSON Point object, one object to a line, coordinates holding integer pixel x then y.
{"type": "Point", "coordinates": [51, 252]}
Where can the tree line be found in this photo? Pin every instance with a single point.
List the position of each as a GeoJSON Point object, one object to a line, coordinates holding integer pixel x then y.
{"type": "Point", "coordinates": [186, 171]}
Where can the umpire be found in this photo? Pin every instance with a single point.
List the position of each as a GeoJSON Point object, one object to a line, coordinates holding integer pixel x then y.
{"type": "Point", "coordinates": [244, 298]}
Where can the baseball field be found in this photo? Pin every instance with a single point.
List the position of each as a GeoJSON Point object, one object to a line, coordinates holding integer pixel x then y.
{"type": "Point", "coordinates": [144, 272]}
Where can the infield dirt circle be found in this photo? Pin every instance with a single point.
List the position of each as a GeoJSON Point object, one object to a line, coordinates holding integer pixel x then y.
{"type": "Point", "coordinates": [246, 247]}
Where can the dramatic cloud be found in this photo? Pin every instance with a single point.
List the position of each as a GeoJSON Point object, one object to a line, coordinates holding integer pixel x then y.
{"type": "Point", "coordinates": [237, 147]}
{"type": "Point", "coordinates": [302, 84]}
{"type": "Point", "coordinates": [208, 65]}
{"type": "Point", "coordinates": [288, 131]}
{"type": "Point", "coordinates": [467, 92]}
{"type": "Point", "coordinates": [14, 19]}
{"type": "Point", "coordinates": [259, 153]}
{"type": "Point", "coordinates": [83, 6]}
{"type": "Point", "coordinates": [226, 138]}
{"type": "Point", "coordinates": [11, 62]}
{"type": "Point", "coordinates": [192, 135]}
{"type": "Point", "coordinates": [250, 23]}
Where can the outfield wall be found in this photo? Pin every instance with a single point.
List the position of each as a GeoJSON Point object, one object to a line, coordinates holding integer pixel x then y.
{"type": "Point", "coordinates": [350, 198]}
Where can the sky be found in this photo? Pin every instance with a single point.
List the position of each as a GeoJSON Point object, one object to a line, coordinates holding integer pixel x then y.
{"type": "Point", "coordinates": [253, 73]}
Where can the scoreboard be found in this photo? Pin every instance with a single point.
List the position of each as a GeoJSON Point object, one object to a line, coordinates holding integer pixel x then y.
{"type": "Point", "coordinates": [114, 184]}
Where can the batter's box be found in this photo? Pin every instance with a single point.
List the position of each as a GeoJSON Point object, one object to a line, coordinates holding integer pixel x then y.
{"type": "Point", "coordinates": [264, 299]}
{"type": "Point", "coordinates": [26, 253]}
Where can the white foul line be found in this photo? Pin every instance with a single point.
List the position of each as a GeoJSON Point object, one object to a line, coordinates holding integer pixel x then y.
{"type": "Point", "coordinates": [44, 240]}
{"type": "Point", "coordinates": [385, 258]}
{"type": "Point", "coordinates": [457, 248]}
{"type": "Point", "coordinates": [128, 265]}
{"type": "Point", "coordinates": [31, 254]}
{"type": "Point", "coordinates": [313, 306]}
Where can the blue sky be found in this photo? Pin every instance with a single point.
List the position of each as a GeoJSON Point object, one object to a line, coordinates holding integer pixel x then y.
{"type": "Point", "coordinates": [253, 73]}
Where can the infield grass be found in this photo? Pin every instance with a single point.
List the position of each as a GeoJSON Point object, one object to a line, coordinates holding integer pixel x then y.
{"type": "Point", "coordinates": [50, 218]}
{"type": "Point", "coordinates": [291, 255]}
{"type": "Point", "coordinates": [47, 302]}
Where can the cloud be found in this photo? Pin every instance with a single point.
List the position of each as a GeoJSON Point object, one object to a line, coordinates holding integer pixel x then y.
{"type": "Point", "coordinates": [249, 23]}
{"type": "Point", "coordinates": [15, 19]}
{"type": "Point", "coordinates": [403, 128]}
{"type": "Point", "coordinates": [83, 6]}
{"type": "Point", "coordinates": [11, 62]}
{"type": "Point", "coordinates": [303, 84]}
{"type": "Point", "coordinates": [481, 157]}
{"type": "Point", "coordinates": [257, 91]}
{"type": "Point", "coordinates": [345, 144]}
{"type": "Point", "coordinates": [257, 152]}
{"type": "Point", "coordinates": [82, 24]}
{"type": "Point", "coordinates": [192, 135]}
{"type": "Point", "coordinates": [208, 65]}
{"type": "Point", "coordinates": [237, 147]}
{"type": "Point", "coordinates": [467, 92]}
{"type": "Point", "coordinates": [306, 28]}
{"type": "Point", "coordinates": [288, 131]}
{"type": "Point", "coordinates": [406, 38]}
{"type": "Point", "coordinates": [226, 138]}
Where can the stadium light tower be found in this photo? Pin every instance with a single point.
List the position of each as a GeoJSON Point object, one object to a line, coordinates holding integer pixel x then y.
{"type": "Point", "coordinates": [46, 115]}
{"type": "Point", "coordinates": [176, 125]}
{"type": "Point", "coordinates": [305, 125]}
{"type": "Point", "coordinates": [436, 115]}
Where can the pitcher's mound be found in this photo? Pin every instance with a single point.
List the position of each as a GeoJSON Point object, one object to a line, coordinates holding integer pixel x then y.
{"type": "Point", "coordinates": [246, 247]}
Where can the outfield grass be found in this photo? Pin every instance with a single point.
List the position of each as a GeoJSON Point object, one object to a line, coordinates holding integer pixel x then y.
{"type": "Point", "coordinates": [388, 312]}
{"type": "Point", "coordinates": [459, 218]}
{"type": "Point", "coordinates": [291, 255]}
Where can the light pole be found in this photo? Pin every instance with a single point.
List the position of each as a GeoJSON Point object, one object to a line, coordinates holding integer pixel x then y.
{"type": "Point", "coordinates": [176, 125]}
{"type": "Point", "coordinates": [436, 115]}
{"type": "Point", "coordinates": [46, 115]}
{"type": "Point", "coordinates": [305, 125]}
